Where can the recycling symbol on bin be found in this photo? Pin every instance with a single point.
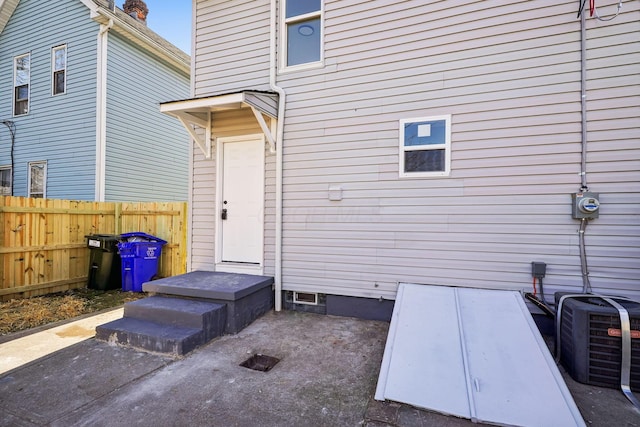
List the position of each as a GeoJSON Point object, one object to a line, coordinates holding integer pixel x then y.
{"type": "Point", "coordinates": [151, 252]}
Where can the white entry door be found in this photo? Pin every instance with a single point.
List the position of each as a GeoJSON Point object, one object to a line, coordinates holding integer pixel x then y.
{"type": "Point", "coordinates": [241, 200]}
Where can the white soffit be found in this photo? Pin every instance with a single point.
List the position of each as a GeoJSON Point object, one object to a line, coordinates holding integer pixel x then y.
{"type": "Point", "coordinates": [196, 113]}
{"type": "Point", "coordinates": [7, 7]}
{"type": "Point", "coordinates": [472, 353]}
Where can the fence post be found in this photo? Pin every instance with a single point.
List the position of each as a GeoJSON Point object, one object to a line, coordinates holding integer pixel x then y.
{"type": "Point", "coordinates": [3, 243]}
{"type": "Point", "coordinates": [117, 217]}
{"type": "Point", "coordinates": [184, 238]}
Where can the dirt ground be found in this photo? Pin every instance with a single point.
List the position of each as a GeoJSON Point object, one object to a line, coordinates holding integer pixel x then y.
{"type": "Point", "coordinates": [21, 314]}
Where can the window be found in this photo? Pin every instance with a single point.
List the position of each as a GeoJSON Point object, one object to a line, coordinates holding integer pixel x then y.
{"type": "Point", "coordinates": [303, 32]}
{"type": "Point", "coordinates": [5, 180]}
{"type": "Point", "coordinates": [425, 146]}
{"type": "Point", "coordinates": [59, 70]}
{"type": "Point", "coordinates": [38, 179]}
{"type": "Point", "coordinates": [22, 75]}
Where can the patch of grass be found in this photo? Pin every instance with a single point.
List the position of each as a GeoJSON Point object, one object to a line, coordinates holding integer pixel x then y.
{"type": "Point", "coordinates": [21, 314]}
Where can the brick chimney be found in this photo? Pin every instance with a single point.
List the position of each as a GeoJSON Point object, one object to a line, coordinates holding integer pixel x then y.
{"type": "Point", "coordinates": [137, 9]}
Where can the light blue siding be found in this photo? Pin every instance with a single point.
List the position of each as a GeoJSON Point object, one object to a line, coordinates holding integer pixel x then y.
{"type": "Point", "coordinates": [59, 129]}
{"type": "Point", "coordinates": [143, 161]}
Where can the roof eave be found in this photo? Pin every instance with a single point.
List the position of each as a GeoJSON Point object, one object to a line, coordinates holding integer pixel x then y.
{"type": "Point", "coordinates": [174, 57]}
{"type": "Point", "coordinates": [7, 7]}
{"type": "Point", "coordinates": [158, 47]}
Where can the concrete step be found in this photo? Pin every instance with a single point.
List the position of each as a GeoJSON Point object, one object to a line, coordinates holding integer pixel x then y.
{"type": "Point", "coordinates": [206, 315]}
{"type": "Point", "coordinates": [246, 296]}
{"type": "Point", "coordinates": [151, 336]}
{"type": "Point", "coordinates": [189, 310]}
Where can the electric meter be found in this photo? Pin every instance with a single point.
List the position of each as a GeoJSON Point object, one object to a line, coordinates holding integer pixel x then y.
{"type": "Point", "coordinates": [585, 205]}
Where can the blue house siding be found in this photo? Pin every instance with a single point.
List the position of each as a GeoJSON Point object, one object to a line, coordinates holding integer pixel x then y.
{"type": "Point", "coordinates": [59, 129]}
{"type": "Point", "coordinates": [143, 162]}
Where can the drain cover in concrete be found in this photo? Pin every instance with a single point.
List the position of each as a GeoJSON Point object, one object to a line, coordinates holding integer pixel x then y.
{"type": "Point", "coordinates": [260, 362]}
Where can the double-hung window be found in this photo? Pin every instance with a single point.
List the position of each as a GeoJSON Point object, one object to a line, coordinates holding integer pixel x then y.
{"type": "Point", "coordinates": [5, 180]}
{"type": "Point", "coordinates": [38, 179]}
{"type": "Point", "coordinates": [425, 146]}
{"type": "Point", "coordinates": [21, 80]}
{"type": "Point", "coordinates": [302, 33]}
{"type": "Point", "coordinates": [59, 70]}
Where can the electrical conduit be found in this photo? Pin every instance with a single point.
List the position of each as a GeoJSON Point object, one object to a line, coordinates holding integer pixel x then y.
{"type": "Point", "coordinates": [586, 285]}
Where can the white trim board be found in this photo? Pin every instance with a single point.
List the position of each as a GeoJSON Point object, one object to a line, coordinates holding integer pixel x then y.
{"type": "Point", "coordinates": [472, 353]}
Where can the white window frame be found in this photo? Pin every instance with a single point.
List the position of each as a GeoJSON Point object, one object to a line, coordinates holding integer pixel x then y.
{"type": "Point", "coordinates": [445, 145]}
{"type": "Point", "coordinates": [7, 191]}
{"type": "Point", "coordinates": [54, 70]}
{"type": "Point", "coordinates": [44, 179]}
{"type": "Point", "coordinates": [284, 23]}
{"type": "Point", "coordinates": [15, 86]}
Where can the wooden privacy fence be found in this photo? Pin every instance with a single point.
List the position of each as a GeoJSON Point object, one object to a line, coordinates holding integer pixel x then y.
{"type": "Point", "coordinates": [43, 246]}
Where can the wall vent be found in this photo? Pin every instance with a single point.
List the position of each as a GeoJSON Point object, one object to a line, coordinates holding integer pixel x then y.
{"type": "Point", "coordinates": [305, 298]}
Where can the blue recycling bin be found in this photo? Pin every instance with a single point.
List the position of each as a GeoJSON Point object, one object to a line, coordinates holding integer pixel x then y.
{"type": "Point", "coordinates": [139, 253]}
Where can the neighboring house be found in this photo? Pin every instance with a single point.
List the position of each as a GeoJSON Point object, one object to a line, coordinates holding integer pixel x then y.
{"type": "Point", "coordinates": [348, 146]}
{"type": "Point", "coordinates": [80, 85]}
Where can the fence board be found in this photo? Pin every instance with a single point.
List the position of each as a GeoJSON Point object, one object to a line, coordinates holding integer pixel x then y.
{"type": "Point", "coordinates": [44, 249]}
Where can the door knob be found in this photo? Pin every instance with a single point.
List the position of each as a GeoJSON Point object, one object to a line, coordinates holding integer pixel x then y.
{"type": "Point", "coordinates": [224, 214]}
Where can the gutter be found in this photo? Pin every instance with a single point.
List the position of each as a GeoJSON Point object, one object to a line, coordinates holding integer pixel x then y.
{"type": "Point", "coordinates": [101, 111]}
{"type": "Point", "coordinates": [279, 146]}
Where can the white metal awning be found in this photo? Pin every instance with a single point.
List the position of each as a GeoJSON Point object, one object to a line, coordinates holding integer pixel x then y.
{"type": "Point", "coordinates": [197, 112]}
{"type": "Point", "coordinates": [472, 353]}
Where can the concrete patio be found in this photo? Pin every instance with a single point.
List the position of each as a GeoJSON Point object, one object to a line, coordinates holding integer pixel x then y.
{"type": "Point", "coordinates": [326, 377]}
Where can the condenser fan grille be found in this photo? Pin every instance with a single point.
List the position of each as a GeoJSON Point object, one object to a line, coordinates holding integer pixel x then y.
{"type": "Point", "coordinates": [591, 348]}
{"type": "Point", "coordinates": [605, 352]}
{"type": "Point", "coordinates": [568, 351]}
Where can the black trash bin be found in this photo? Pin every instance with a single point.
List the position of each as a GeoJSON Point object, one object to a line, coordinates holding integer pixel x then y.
{"type": "Point", "coordinates": [104, 262]}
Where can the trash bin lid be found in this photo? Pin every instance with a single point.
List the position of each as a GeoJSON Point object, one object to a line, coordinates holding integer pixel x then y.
{"type": "Point", "coordinates": [103, 236]}
{"type": "Point", "coordinates": [103, 241]}
{"type": "Point", "coordinates": [140, 235]}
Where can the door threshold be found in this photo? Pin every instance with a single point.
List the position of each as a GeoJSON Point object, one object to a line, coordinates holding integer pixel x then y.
{"type": "Point", "coordinates": [239, 267]}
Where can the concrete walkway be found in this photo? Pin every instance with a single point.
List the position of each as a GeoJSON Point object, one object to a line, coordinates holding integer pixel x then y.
{"type": "Point", "coordinates": [33, 346]}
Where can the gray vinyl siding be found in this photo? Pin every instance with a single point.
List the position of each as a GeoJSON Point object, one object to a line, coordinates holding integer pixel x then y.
{"type": "Point", "coordinates": [147, 151]}
{"type": "Point", "coordinates": [204, 209]}
{"type": "Point", "coordinates": [509, 74]}
{"type": "Point", "coordinates": [228, 60]}
{"type": "Point", "coordinates": [232, 46]}
{"type": "Point", "coordinates": [59, 129]}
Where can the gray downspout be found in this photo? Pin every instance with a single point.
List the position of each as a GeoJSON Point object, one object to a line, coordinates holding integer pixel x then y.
{"type": "Point", "coordinates": [279, 146]}
{"type": "Point", "coordinates": [101, 111]}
